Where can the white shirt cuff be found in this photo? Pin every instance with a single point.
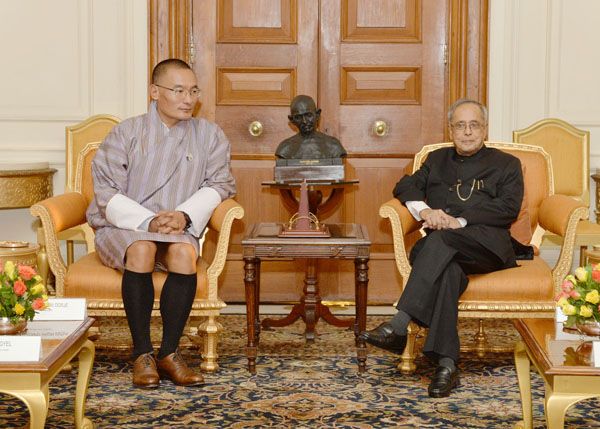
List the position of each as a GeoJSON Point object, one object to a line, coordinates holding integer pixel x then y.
{"type": "Point", "coordinates": [199, 208]}
{"type": "Point", "coordinates": [415, 207]}
{"type": "Point", "coordinates": [462, 220]}
{"type": "Point", "coordinates": [125, 213]}
{"type": "Point", "coordinates": [145, 224]}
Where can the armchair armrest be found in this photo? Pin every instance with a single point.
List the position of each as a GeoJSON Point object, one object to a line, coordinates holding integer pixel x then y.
{"type": "Point", "coordinates": [66, 210]}
{"type": "Point", "coordinates": [221, 221]}
{"type": "Point", "coordinates": [58, 214]}
{"type": "Point", "coordinates": [556, 211]}
{"type": "Point", "coordinates": [561, 214]}
{"type": "Point", "coordinates": [403, 223]}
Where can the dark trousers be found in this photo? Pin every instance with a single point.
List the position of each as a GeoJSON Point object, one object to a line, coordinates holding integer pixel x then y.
{"type": "Point", "coordinates": [440, 263]}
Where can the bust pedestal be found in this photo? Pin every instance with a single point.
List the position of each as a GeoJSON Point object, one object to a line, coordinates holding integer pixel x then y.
{"type": "Point", "coordinates": [310, 307]}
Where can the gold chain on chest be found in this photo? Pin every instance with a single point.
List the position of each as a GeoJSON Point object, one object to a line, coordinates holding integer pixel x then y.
{"type": "Point", "coordinates": [470, 192]}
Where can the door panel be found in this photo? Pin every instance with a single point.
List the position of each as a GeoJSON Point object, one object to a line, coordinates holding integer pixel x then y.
{"type": "Point", "coordinates": [409, 73]}
{"type": "Point", "coordinates": [255, 86]}
{"type": "Point", "coordinates": [362, 61]}
{"type": "Point", "coordinates": [380, 21]}
{"type": "Point", "coordinates": [256, 21]}
{"type": "Point", "coordinates": [380, 85]}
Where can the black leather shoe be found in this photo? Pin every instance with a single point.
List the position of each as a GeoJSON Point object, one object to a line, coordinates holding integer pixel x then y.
{"type": "Point", "coordinates": [385, 338]}
{"type": "Point", "coordinates": [444, 380]}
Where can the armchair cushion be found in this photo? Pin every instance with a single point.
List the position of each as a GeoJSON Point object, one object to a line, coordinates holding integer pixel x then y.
{"type": "Point", "coordinates": [531, 281]}
{"type": "Point", "coordinates": [90, 278]}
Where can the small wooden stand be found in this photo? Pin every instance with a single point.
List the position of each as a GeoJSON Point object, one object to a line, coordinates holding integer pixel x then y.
{"type": "Point", "coordinates": [304, 223]}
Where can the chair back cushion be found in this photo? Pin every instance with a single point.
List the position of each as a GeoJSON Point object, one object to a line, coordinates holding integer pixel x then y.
{"type": "Point", "coordinates": [569, 149]}
{"type": "Point", "coordinates": [83, 177]}
{"type": "Point", "coordinates": [93, 129]}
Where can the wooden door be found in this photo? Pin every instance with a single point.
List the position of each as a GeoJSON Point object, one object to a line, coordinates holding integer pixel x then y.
{"type": "Point", "coordinates": [363, 61]}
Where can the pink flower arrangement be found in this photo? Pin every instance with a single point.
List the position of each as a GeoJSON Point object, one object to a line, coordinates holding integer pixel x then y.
{"type": "Point", "coordinates": [580, 296]}
{"type": "Point", "coordinates": [21, 292]}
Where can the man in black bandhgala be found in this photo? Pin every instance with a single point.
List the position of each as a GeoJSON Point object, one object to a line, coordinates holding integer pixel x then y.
{"type": "Point", "coordinates": [467, 197]}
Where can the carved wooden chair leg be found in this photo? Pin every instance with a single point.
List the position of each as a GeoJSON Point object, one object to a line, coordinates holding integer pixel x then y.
{"type": "Point", "coordinates": [407, 365]}
{"type": "Point", "coordinates": [209, 329]}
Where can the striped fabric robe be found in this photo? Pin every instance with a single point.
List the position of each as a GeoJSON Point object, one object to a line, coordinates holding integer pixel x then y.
{"type": "Point", "coordinates": [159, 169]}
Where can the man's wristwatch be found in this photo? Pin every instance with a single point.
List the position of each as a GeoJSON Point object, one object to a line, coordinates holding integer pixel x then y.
{"type": "Point", "coordinates": [188, 221]}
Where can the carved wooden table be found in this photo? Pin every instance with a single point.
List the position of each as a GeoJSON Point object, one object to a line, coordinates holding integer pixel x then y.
{"type": "Point", "coordinates": [347, 241]}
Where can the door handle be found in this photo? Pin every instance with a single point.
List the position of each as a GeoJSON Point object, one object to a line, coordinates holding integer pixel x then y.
{"type": "Point", "coordinates": [255, 129]}
{"type": "Point", "coordinates": [380, 128]}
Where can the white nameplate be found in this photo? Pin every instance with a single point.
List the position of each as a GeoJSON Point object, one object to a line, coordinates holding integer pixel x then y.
{"type": "Point", "coordinates": [20, 348]}
{"type": "Point", "coordinates": [596, 353]}
{"type": "Point", "coordinates": [63, 309]}
{"type": "Point", "coordinates": [53, 330]}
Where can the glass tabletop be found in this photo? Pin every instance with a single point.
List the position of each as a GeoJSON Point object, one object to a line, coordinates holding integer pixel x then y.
{"type": "Point", "coordinates": [55, 335]}
{"type": "Point", "coordinates": [560, 351]}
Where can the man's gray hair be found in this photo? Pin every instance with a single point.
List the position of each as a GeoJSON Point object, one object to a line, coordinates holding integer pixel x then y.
{"type": "Point", "coordinates": [484, 111]}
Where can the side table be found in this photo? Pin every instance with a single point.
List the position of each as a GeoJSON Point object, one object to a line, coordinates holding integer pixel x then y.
{"type": "Point", "coordinates": [347, 241]}
{"type": "Point", "coordinates": [564, 364]}
{"type": "Point", "coordinates": [29, 381]}
{"type": "Point", "coordinates": [23, 185]}
{"type": "Point", "coordinates": [19, 251]}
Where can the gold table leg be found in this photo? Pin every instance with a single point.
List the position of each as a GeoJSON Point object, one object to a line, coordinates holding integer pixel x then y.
{"type": "Point", "coordinates": [561, 391]}
{"type": "Point", "coordinates": [37, 403]}
{"type": "Point", "coordinates": [523, 365]}
{"type": "Point", "coordinates": [566, 392]}
{"type": "Point", "coordinates": [86, 361]}
{"type": "Point", "coordinates": [32, 388]}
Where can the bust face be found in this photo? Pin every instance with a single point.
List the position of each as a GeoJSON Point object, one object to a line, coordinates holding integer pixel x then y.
{"type": "Point", "coordinates": [304, 115]}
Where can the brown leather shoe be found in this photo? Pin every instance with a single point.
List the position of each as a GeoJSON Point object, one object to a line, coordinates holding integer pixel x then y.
{"type": "Point", "coordinates": [145, 375]}
{"type": "Point", "coordinates": [174, 368]}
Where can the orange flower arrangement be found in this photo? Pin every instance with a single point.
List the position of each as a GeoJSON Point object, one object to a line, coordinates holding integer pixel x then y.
{"type": "Point", "coordinates": [21, 292]}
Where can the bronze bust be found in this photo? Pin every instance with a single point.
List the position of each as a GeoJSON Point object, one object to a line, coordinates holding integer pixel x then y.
{"type": "Point", "coordinates": [308, 143]}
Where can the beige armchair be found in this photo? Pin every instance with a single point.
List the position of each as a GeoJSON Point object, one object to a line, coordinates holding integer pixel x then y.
{"type": "Point", "coordinates": [569, 148]}
{"type": "Point", "coordinates": [524, 291]}
{"type": "Point", "coordinates": [93, 129]}
{"type": "Point", "coordinates": [101, 285]}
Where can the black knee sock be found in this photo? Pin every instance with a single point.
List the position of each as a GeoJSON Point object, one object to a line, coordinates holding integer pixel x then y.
{"type": "Point", "coordinates": [137, 291]}
{"type": "Point", "coordinates": [400, 322]}
{"type": "Point", "coordinates": [176, 301]}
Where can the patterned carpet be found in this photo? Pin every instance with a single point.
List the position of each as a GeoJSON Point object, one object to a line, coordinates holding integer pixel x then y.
{"type": "Point", "coordinates": [298, 385]}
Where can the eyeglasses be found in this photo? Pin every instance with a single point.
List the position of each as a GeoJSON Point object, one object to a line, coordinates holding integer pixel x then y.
{"type": "Point", "coordinates": [180, 92]}
{"type": "Point", "coordinates": [473, 125]}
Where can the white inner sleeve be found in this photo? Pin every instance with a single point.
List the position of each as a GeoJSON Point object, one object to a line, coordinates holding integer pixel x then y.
{"type": "Point", "coordinates": [125, 213]}
{"type": "Point", "coordinates": [199, 208]}
{"type": "Point", "coordinates": [415, 207]}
